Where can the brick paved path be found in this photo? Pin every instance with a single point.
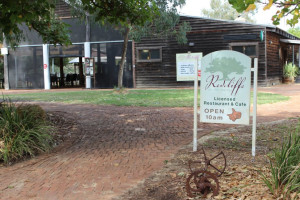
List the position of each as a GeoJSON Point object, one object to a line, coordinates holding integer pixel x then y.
{"type": "Point", "coordinates": [114, 148]}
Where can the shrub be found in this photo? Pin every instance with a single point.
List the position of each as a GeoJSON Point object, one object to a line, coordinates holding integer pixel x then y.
{"type": "Point", "coordinates": [285, 167]}
{"type": "Point", "coordinates": [290, 71]}
{"type": "Point", "coordinates": [23, 131]}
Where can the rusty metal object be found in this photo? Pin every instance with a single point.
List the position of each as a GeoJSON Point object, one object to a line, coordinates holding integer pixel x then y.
{"type": "Point", "coordinates": [209, 166]}
{"type": "Point", "coordinates": [202, 182]}
{"type": "Point", "coordinates": [205, 179]}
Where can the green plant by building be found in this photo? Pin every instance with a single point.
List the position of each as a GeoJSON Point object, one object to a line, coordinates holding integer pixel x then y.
{"type": "Point", "coordinates": [290, 71]}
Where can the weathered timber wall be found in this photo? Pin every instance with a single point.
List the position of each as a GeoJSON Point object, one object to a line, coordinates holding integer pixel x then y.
{"type": "Point", "coordinates": [62, 9]}
{"type": "Point", "coordinates": [278, 54]}
{"type": "Point", "coordinates": [207, 35]}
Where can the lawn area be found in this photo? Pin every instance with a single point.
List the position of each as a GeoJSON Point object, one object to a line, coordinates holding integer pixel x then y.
{"type": "Point", "coordinates": [156, 98]}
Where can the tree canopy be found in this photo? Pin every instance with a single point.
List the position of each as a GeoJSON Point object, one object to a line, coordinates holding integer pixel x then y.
{"type": "Point", "coordinates": [137, 19]}
{"type": "Point", "coordinates": [37, 15]}
{"type": "Point", "coordinates": [221, 9]}
{"type": "Point", "coordinates": [121, 12]}
{"type": "Point", "coordinates": [165, 23]}
{"type": "Point", "coordinates": [295, 31]}
{"type": "Point", "coordinates": [284, 8]}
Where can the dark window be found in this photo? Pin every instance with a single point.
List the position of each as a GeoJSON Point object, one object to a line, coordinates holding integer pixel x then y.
{"type": "Point", "coordinates": [238, 48]}
{"type": "Point", "coordinates": [144, 54]}
{"type": "Point", "coordinates": [155, 54]}
{"type": "Point", "coordinates": [249, 50]}
{"type": "Point", "coordinates": [149, 54]}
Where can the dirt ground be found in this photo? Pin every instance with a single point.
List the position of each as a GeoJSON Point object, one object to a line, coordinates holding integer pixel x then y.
{"type": "Point", "coordinates": [241, 179]}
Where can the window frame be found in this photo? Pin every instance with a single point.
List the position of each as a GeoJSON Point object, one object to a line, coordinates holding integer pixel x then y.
{"type": "Point", "coordinates": [138, 49]}
{"type": "Point", "coordinates": [256, 44]}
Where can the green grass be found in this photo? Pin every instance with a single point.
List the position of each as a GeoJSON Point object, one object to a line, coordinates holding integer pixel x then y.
{"type": "Point", "coordinates": [156, 98]}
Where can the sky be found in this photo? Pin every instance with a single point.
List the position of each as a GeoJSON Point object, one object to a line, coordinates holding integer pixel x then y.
{"type": "Point", "coordinates": [193, 8]}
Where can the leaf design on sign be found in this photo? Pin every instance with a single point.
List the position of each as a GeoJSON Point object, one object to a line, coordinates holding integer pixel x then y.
{"type": "Point", "coordinates": [234, 115]}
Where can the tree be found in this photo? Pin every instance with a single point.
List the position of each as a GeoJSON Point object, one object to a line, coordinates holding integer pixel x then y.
{"type": "Point", "coordinates": [37, 15]}
{"type": "Point", "coordinates": [221, 9]}
{"type": "Point", "coordinates": [138, 18]}
{"type": "Point", "coordinates": [295, 31]}
{"type": "Point", "coordinates": [285, 8]}
{"type": "Point", "coordinates": [225, 66]}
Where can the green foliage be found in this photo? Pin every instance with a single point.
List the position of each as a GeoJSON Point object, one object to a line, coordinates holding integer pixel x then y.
{"type": "Point", "coordinates": [285, 167]}
{"type": "Point", "coordinates": [221, 9]}
{"type": "Point", "coordinates": [295, 31]}
{"type": "Point", "coordinates": [165, 24]}
{"type": "Point", "coordinates": [285, 8]}
{"type": "Point", "coordinates": [290, 71]}
{"type": "Point", "coordinates": [137, 19]}
{"type": "Point", "coordinates": [241, 5]}
{"type": "Point", "coordinates": [156, 18]}
{"type": "Point", "coordinates": [125, 13]}
{"type": "Point", "coordinates": [37, 15]}
{"type": "Point", "coordinates": [23, 131]}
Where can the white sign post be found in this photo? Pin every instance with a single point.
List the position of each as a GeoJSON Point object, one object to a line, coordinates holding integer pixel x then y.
{"type": "Point", "coordinates": [187, 67]}
{"type": "Point", "coordinates": [254, 106]}
{"type": "Point", "coordinates": [225, 89]}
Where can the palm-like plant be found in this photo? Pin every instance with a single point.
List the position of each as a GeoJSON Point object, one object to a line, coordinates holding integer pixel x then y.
{"type": "Point", "coordinates": [290, 71]}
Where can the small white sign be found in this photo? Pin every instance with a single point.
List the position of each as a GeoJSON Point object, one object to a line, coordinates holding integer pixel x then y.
{"type": "Point", "coordinates": [186, 65]}
{"type": "Point", "coordinates": [4, 51]}
{"type": "Point", "coordinates": [225, 88]}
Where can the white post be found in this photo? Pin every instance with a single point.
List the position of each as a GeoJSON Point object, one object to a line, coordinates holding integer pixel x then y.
{"type": "Point", "coordinates": [87, 54]}
{"type": "Point", "coordinates": [46, 67]}
{"type": "Point", "coordinates": [195, 138]}
{"type": "Point", "coordinates": [254, 107]}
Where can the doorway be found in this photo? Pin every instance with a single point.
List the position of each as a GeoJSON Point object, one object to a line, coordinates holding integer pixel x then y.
{"type": "Point", "coordinates": [66, 72]}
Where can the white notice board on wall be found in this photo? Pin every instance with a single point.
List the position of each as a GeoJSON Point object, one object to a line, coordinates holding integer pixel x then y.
{"type": "Point", "coordinates": [186, 66]}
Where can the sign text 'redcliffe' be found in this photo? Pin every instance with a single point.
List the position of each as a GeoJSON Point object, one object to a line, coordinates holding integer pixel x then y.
{"type": "Point", "coordinates": [225, 88]}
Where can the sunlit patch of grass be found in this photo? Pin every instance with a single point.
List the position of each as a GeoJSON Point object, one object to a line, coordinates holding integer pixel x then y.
{"type": "Point", "coordinates": [131, 97]}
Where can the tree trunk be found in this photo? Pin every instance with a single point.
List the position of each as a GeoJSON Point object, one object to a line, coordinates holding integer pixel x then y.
{"type": "Point", "coordinates": [124, 51]}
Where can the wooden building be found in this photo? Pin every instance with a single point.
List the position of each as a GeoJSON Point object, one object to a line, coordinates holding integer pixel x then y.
{"type": "Point", "coordinates": [150, 62]}
{"type": "Point", "coordinates": [155, 63]}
